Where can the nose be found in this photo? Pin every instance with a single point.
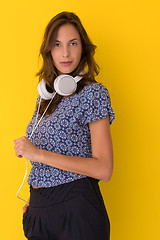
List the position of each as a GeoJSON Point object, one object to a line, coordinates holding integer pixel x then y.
{"type": "Point", "coordinates": [65, 51]}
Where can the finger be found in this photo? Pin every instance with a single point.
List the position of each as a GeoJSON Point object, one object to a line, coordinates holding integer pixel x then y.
{"type": "Point", "coordinates": [18, 152]}
{"type": "Point", "coordinates": [19, 139]}
{"type": "Point", "coordinates": [25, 208]}
{"type": "Point", "coordinates": [18, 144]}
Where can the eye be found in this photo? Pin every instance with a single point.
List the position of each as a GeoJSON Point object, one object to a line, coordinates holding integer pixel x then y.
{"type": "Point", "coordinates": [57, 45]}
{"type": "Point", "coordinates": [73, 43]}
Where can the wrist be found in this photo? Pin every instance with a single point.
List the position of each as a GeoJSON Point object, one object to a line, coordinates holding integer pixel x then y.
{"type": "Point", "coordinates": [41, 156]}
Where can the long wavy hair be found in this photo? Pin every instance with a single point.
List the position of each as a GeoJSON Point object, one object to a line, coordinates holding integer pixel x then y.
{"type": "Point", "coordinates": [48, 71]}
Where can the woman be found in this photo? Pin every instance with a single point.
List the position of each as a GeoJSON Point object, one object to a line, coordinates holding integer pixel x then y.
{"type": "Point", "coordinates": [71, 148]}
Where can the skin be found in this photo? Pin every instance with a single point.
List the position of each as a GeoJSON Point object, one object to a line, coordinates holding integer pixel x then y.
{"type": "Point", "coordinates": [100, 166]}
{"type": "Point", "coordinates": [67, 50]}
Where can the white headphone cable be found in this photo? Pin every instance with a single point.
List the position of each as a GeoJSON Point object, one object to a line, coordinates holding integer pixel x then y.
{"type": "Point", "coordinates": [34, 128]}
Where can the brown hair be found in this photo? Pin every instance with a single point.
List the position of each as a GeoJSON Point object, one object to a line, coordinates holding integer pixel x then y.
{"type": "Point", "coordinates": [48, 71]}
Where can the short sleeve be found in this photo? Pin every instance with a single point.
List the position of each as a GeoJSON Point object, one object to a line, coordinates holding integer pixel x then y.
{"type": "Point", "coordinates": [96, 104]}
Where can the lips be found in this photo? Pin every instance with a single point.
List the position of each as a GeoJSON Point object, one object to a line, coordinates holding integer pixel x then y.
{"type": "Point", "coordinates": [66, 63]}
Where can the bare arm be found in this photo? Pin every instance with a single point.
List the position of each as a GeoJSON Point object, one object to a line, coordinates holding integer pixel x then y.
{"type": "Point", "coordinates": [100, 166]}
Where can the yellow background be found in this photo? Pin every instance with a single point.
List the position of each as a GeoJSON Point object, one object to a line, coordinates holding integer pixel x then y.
{"type": "Point", "coordinates": [128, 38]}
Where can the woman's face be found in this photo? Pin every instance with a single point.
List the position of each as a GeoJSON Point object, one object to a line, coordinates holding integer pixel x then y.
{"type": "Point", "coordinates": [67, 49]}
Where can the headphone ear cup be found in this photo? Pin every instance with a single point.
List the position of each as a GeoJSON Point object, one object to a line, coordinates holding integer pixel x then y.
{"type": "Point", "coordinates": [43, 91]}
{"type": "Point", "coordinates": [65, 85]}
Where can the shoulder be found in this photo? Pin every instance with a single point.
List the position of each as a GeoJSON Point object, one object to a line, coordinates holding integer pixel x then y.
{"type": "Point", "coordinates": [94, 87]}
{"type": "Point", "coordinates": [95, 90]}
{"type": "Point", "coordinates": [94, 103]}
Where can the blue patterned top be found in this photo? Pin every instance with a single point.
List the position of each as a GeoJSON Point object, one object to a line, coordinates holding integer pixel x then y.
{"type": "Point", "coordinates": [66, 131]}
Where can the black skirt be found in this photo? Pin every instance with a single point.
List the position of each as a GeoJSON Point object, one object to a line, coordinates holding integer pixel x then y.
{"type": "Point", "coordinates": [71, 211]}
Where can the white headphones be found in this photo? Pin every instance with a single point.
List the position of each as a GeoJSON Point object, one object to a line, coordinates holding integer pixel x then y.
{"type": "Point", "coordinates": [64, 85]}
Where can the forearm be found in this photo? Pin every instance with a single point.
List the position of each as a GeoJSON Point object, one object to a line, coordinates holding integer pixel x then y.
{"type": "Point", "coordinates": [92, 167]}
{"type": "Point", "coordinates": [99, 166]}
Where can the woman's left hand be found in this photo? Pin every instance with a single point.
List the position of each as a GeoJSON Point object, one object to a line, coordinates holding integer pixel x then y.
{"type": "Point", "coordinates": [24, 148]}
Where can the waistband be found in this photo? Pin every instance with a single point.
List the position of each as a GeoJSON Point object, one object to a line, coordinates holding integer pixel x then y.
{"type": "Point", "coordinates": [44, 197]}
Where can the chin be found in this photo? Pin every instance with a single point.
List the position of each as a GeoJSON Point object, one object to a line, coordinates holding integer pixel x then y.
{"type": "Point", "coordinates": [66, 72]}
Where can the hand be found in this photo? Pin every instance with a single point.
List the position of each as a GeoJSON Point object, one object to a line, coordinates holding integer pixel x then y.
{"type": "Point", "coordinates": [24, 148]}
{"type": "Point", "coordinates": [25, 208]}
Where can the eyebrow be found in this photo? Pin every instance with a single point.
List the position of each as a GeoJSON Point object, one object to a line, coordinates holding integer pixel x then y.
{"type": "Point", "coordinates": [69, 40]}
